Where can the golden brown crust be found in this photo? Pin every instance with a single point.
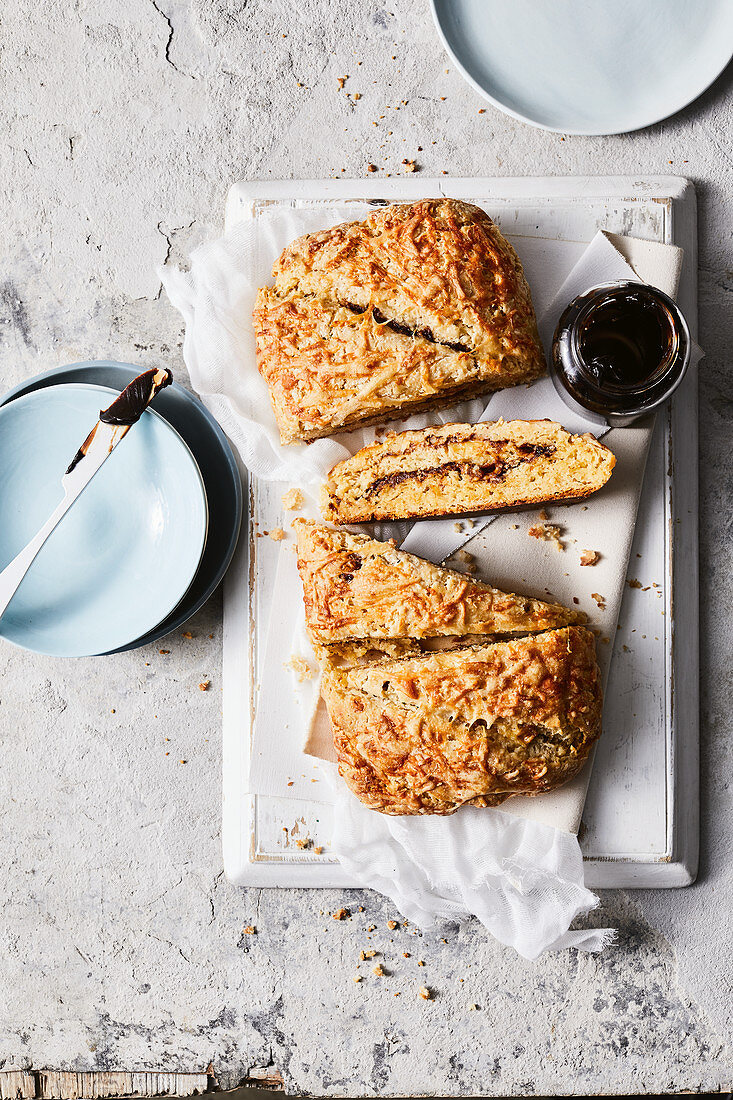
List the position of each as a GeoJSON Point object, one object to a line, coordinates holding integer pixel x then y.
{"type": "Point", "coordinates": [356, 588]}
{"type": "Point", "coordinates": [419, 305]}
{"type": "Point", "coordinates": [463, 468]}
{"type": "Point", "coordinates": [428, 734]}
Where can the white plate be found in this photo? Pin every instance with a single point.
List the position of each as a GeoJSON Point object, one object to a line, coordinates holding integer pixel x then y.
{"type": "Point", "coordinates": [588, 66]}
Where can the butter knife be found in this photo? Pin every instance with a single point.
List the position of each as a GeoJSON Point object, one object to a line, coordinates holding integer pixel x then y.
{"type": "Point", "coordinates": [113, 425]}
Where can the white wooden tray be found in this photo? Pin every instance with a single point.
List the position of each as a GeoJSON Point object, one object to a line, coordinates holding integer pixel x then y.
{"type": "Point", "coordinates": [640, 825]}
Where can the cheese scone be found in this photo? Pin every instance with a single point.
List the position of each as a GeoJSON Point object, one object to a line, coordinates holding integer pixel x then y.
{"type": "Point", "coordinates": [357, 588]}
{"type": "Point", "coordinates": [426, 734]}
{"type": "Point", "coordinates": [461, 468]}
{"type": "Point", "coordinates": [419, 306]}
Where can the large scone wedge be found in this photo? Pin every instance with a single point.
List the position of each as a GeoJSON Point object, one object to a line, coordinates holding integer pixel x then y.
{"type": "Point", "coordinates": [416, 307]}
{"type": "Point", "coordinates": [356, 588]}
{"type": "Point", "coordinates": [463, 468]}
{"type": "Point", "coordinates": [426, 734]}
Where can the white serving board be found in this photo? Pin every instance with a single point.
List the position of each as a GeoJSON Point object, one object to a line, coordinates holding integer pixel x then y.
{"type": "Point", "coordinates": [640, 824]}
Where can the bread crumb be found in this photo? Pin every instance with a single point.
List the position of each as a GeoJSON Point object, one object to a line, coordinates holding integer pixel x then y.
{"type": "Point", "coordinates": [318, 849]}
{"type": "Point", "coordinates": [163, 651]}
{"type": "Point", "coordinates": [379, 971]}
{"type": "Point", "coordinates": [633, 583]}
{"type": "Point", "coordinates": [589, 557]}
{"type": "Point", "coordinates": [514, 526]}
{"type": "Point", "coordinates": [342, 80]}
{"type": "Point", "coordinates": [357, 978]}
{"type": "Point", "coordinates": [472, 1008]}
{"type": "Point", "coordinates": [302, 844]}
{"type": "Point", "coordinates": [187, 634]}
{"type": "Point", "coordinates": [410, 165]}
{"type": "Point", "coordinates": [356, 95]}
{"type": "Point", "coordinates": [372, 168]}
{"type": "Point", "coordinates": [293, 500]}
{"type": "Point", "coordinates": [544, 514]}
{"type": "Point", "coordinates": [548, 532]}
{"type": "Point", "coordinates": [470, 522]}
{"type": "Point", "coordinates": [363, 955]}
{"type": "Point", "coordinates": [204, 685]}
{"type": "Point", "coordinates": [425, 993]}
{"type": "Point", "coordinates": [420, 962]}
{"type": "Point", "coordinates": [392, 924]}
{"type": "Point", "coordinates": [371, 927]}
{"type": "Point", "coordinates": [457, 527]}
{"type": "Point", "coordinates": [250, 930]}
{"type": "Point", "coordinates": [405, 954]}
{"type": "Point", "coordinates": [277, 534]}
{"type": "Point", "coordinates": [600, 600]}
{"type": "Point", "coordinates": [341, 914]}
{"type": "Point", "coordinates": [300, 667]}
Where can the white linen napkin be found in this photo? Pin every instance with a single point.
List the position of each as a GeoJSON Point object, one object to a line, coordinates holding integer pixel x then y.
{"type": "Point", "coordinates": [518, 870]}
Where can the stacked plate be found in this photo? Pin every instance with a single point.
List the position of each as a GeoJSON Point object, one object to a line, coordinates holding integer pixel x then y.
{"type": "Point", "coordinates": [146, 543]}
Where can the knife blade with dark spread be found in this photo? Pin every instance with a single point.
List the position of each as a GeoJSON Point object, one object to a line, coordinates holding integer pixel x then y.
{"type": "Point", "coordinates": [127, 409]}
{"type": "Point", "coordinates": [135, 398]}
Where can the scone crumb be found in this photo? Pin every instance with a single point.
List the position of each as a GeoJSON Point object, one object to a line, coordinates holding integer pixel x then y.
{"type": "Point", "coordinates": [187, 634]}
{"type": "Point", "coordinates": [392, 924]}
{"type": "Point", "coordinates": [358, 978]}
{"type": "Point", "coordinates": [548, 532]}
{"type": "Point", "coordinates": [589, 557]}
{"type": "Point", "coordinates": [420, 962]}
{"type": "Point", "coordinates": [249, 930]}
{"type": "Point", "coordinates": [544, 515]}
{"type": "Point", "coordinates": [425, 993]}
{"type": "Point", "coordinates": [303, 844]}
{"type": "Point", "coordinates": [341, 914]}
{"type": "Point", "coordinates": [457, 527]}
{"type": "Point", "coordinates": [341, 80]}
{"type": "Point", "coordinates": [372, 168]}
{"type": "Point", "coordinates": [634, 583]}
{"type": "Point", "coordinates": [204, 685]}
{"type": "Point", "coordinates": [410, 165]}
{"type": "Point", "coordinates": [300, 667]}
{"type": "Point", "coordinates": [514, 526]}
{"type": "Point", "coordinates": [293, 500]}
{"type": "Point", "coordinates": [405, 954]}
{"type": "Point", "coordinates": [318, 849]}
{"type": "Point", "coordinates": [472, 1008]}
{"type": "Point", "coordinates": [379, 971]}
{"type": "Point", "coordinates": [277, 534]}
{"type": "Point", "coordinates": [600, 600]}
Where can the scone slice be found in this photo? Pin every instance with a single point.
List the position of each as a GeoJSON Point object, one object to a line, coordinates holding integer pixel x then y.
{"type": "Point", "coordinates": [456, 469]}
{"type": "Point", "coordinates": [428, 734]}
{"type": "Point", "coordinates": [329, 367]}
{"type": "Point", "coordinates": [440, 267]}
{"type": "Point", "coordinates": [419, 306]}
{"type": "Point", "coordinates": [355, 587]}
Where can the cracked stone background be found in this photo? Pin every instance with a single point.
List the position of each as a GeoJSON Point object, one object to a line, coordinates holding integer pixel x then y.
{"type": "Point", "coordinates": [121, 945]}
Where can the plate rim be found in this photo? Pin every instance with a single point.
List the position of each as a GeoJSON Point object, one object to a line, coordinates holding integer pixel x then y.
{"type": "Point", "coordinates": [575, 132]}
{"type": "Point", "coordinates": [6, 402]}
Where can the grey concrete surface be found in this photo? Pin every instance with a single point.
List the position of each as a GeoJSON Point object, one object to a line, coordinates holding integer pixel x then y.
{"type": "Point", "coordinates": [121, 945]}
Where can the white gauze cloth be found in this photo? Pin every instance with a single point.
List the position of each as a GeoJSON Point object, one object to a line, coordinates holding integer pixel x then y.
{"type": "Point", "coordinates": [522, 878]}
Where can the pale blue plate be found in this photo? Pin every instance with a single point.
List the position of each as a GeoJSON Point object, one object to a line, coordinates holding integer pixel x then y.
{"type": "Point", "coordinates": [125, 554]}
{"type": "Point", "coordinates": [588, 66]}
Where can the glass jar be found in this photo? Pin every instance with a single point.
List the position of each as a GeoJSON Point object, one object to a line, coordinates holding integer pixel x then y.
{"type": "Point", "coordinates": [619, 351]}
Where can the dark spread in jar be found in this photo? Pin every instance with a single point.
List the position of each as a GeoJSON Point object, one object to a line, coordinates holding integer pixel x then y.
{"type": "Point", "coordinates": [619, 350]}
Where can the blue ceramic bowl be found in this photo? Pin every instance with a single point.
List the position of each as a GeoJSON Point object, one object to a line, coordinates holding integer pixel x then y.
{"type": "Point", "coordinates": [216, 461]}
{"type": "Point", "coordinates": [125, 554]}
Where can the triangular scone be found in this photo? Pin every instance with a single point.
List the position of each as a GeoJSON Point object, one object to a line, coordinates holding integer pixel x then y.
{"type": "Point", "coordinates": [455, 469]}
{"type": "Point", "coordinates": [418, 306]}
{"type": "Point", "coordinates": [355, 587]}
{"type": "Point", "coordinates": [426, 734]}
